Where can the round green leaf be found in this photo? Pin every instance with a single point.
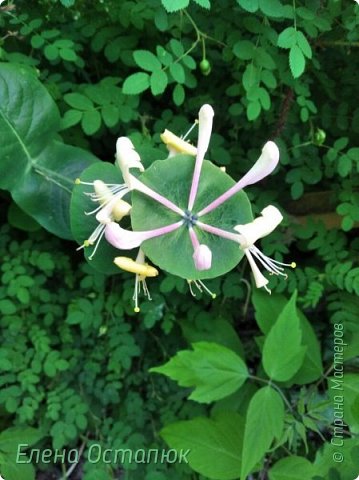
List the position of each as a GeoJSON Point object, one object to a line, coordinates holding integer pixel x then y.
{"type": "Point", "coordinates": [91, 122]}
{"type": "Point", "coordinates": [146, 60]}
{"type": "Point", "coordinates": [173, 252]}
{"type": "Point", "coordinates": [136, 83]}
{"type": "Point", "coordinates": [159, 81]}
{"type": "Point", "coordinates": [110, 115]}
{"type": "Point", "coordinates": [178, 94]}
{"type": "Point", "coordinates": [83, 225]}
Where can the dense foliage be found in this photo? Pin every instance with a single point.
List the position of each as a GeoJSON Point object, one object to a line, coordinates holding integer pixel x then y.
{"type": "Point", "coordinates": [253, 371]}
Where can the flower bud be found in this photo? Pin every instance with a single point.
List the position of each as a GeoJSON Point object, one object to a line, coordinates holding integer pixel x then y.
{"type": "Point", "coordinates": [202, 257]}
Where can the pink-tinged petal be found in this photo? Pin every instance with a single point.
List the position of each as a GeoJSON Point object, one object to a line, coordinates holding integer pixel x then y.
{"type": "Point", "coordinates": [260, 227]}
{"type": "Point", "coordinates": [105, 214]}
{"type": "Point", "coordinates": [202, 257]}
{"type": "Point", "coordinates": [127, 239]}
{"type": "Point", "coordinates": [205, 122]}
{"type": "Point", "coordinates": [265, 165]}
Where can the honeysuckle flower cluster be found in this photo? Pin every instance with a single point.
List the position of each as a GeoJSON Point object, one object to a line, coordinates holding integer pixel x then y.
{"type": "Point", "coordinates": [112, 208]}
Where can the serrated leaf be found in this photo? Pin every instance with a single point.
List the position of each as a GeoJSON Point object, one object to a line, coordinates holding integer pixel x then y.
{"type": "Point", "coordinates": [272, 8]}
{"type": "Point", "coordinates": [146, 60]}
{"type": "Point", "coordinates": [303, 44]}
{"type": "Point", "coordinates": [71, 118]}
{"type": "Point", "coordinates": [110, 115]}
{"type": "Point", "coordinates": [78, 101]}
{"type": "Point", "coordinates": [214, 371]}
{"type": "Point", "coordinates": [296, 61]}
{"type": "Point", "coordinates": [177, 72]}
{"type": "Point", "coordinates": [215, 445]}
{"type": "Point", "coordinates": [91, 121]}
{"type": "Point", "coordinates": [265, 415]}
{"type": "Point", "coordinates": [287, 38]}
{"type": "Point", "coordinates": [249, 5]}
{"type": "Point", "coordinates": [244, 49]}
{"type": "Point", "coordinates": [159, 82]}
{"type": "Point", "coordinates": [281, 364]}
{"type": "Point", "coordinates": [175, 5]}
{"type": "Point", "coordinates": [292, 468]}
{"type": "Point", "coordinates": [204, 3]}
{"type": "Point", "coordinates": [136, 83]}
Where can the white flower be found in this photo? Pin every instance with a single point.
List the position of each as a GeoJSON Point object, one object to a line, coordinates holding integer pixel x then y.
{"type": "Point", "coordinates": [142, 271]}
{"type": "Point", "coordinates": [111, 208]}
{"type": "Point", "coordinates": [126, 158]}
{"type": "Point", "coordinates": [253, 231]}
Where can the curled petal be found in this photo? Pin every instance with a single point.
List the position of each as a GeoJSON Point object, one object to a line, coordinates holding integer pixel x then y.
{"type": "Point", "coordinates": [260, 227]}
{"type": "Point", "coordinates": [205, 122]}
{"type": "Point", "coordinates": [259, 279]}
{"type": "Point", "coordinates": [265, 165]}
{"type": "Point", "coordinates": [126, 158]}
{"type": "Point", "coordinates": [127, 239]}
{"type": "Point", "coordinates": [202, 257]}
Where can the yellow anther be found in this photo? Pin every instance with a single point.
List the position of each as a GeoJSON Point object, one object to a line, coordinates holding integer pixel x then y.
{"type": "Point", "coordinates": [137, 309]}
{"type": "Point", "coordinates": [293, 265]}
{"type": "Point", "coordinates": [223, 169]}
{"type": "Point", "coordinates": [77, 181]}
{"type": "Point", "coordinates": [177, 144]}
{"type": "Point", "coordinates": [129, 265]}
{"type": "Point", "coordinates": [120, 210]}
{"type": "Point", "coordinates": [87, 243]}
{"type": "Point", "coordinates": [214, 296]}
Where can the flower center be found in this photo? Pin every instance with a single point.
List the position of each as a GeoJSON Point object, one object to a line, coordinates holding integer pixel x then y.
{"type": "Point", "coordinates": [190, 219]}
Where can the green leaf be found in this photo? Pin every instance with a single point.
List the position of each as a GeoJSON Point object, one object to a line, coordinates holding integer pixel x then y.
{"type": "Point", "coordinates": [78, 101]}
{"type": "Point", "coordinates": [287, 38]}
{"type": "Point", "coordinates": [215, 445]}
{"type": "Point", "coordinates": [177, 72]}
{"type": "Point", "coordinates": [91, 121]}
{"type": "Point", "coordinates": [136, 83]}
{"type": "Point", "coordinates": [175, 5]}
{"type": "Point", "coordinates": [41, 178]}
{"type": "Point", "coordinates": [68, 54]}
{"type": "Point", "coordinates": [110, 115]}
{"type": "Point", "coordinates": [296, 61]}
{"type": "Point", "coordinates": [204, 3]}
{"type": "Point", "coordinates": [253, 110]}
{"type": "Point", "coordinates": [214, 371]}
{"type": "Point", "coordinates": [303, 44]}
{"type": "Point", "coordinates": [244, 49]}
{"type": "Point", "coordinates": [178, 95]}
{"type": "Point", "coordinates": [264, 422]}
{"type": "Point", "coordinates": [71, 118]}
{"type": "Point", "coordinates": [165, 250]}
{"type": "Point", "coordinates": [12, 437]}
{"type": "Point", "coordinates": [146, 60]}
{"type": "Point", "coordinates": [249, 5]}
{"type": "Point", "coordinates": [282, 363]}
{"type": "Point", "coordinates": [51, 52]}
{"type": "Point", "coordinates": [37, 41]}
{"type": "Point", "coordinates": [292, 468]}
{"type": "Point", "coordinates": [19, 219]}
{"type": "Point", "coordinates": [271, 8]}
{"type": "Point", "coordinates": [159, 81]}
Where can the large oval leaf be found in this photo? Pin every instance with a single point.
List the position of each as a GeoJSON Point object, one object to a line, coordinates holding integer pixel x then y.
{"type": "Point", "coordinates": [38, 171]}
{"type": "Point", "coordinates": [173, 252]}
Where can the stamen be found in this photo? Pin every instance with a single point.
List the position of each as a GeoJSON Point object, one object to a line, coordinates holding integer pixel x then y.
{"type": "Point", "coordinates": [265, 261]}
{"type": "Point", "coordinates": [200, 286]}
{"type": "Point", "coordinates": [135, 295]}
{"type": "Point", "coordinates": [190, 130]}
{"type": "Point", "coordinates": [98, 242]}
